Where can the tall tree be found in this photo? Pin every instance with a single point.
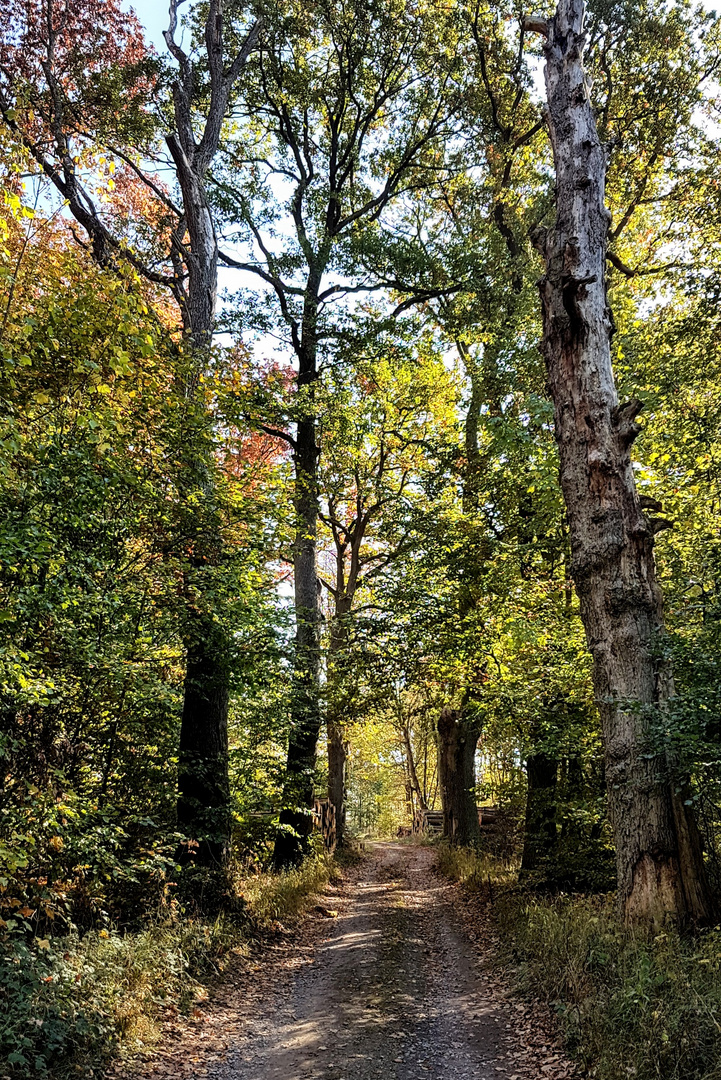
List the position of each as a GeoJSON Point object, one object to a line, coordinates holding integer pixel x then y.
{"type": "Point", "coordinates": [203, 789]}
{"type": "Point", "coordinates": [60, 66]}
{"type": "Point", "coordinates": [338, 119]}
{"type": "Point", "coordinates": [660, 864]}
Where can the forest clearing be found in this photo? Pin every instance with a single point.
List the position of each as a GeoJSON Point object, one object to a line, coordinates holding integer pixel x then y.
{"type": "Point", "coordinates": [360, 542]}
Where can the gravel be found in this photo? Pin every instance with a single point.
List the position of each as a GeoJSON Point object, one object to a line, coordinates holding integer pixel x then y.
{"type": "Point", "coordinates": [388, 979]}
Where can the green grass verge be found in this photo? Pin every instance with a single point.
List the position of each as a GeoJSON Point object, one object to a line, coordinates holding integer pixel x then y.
{"type": "Point", "coordinates": [631, 1003]}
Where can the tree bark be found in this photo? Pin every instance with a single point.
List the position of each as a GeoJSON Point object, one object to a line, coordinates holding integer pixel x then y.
{"type": "Point", "coordinates": [295, 819]}
{"type": "Point", "coordinates": [659, 860]}
{"type": "Point", "coordinates": [457, 741]}
{"type": "Point", "coordinates": [541, 834]}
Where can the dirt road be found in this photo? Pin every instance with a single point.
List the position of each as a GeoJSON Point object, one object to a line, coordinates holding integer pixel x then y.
{"type": "Point", "coordinates": [392, 988]}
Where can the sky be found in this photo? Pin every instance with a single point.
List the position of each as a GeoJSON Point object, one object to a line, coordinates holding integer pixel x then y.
{"type": "Point", "coordinates": [154, 17]}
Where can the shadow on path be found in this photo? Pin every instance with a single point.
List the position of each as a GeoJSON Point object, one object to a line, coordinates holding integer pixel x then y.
{"type": "Point", "coordinates": [393, 992]}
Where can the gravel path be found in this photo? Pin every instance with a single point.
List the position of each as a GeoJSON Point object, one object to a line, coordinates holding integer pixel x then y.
{"type": "Point", "coordinates": [391, 987]}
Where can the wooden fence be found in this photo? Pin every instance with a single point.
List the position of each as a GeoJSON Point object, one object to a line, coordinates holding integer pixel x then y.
{"type": "Point", "coordinates": [431, 821]}
{"type": "Point", "coordinates": [324, 822]}
{"type": "Point", "coordinates": [428, 821]}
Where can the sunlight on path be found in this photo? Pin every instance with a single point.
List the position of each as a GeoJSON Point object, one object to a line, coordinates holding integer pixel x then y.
{"type": "Point", "coordinates": [392, 993]}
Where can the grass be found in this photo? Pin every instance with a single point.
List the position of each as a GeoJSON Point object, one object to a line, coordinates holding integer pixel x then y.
{"type": "Point", "coordinates": [631, 1003]}
{"type": "Point", "coordinates": [68, 1003]}
{"type": "Point", "coordinates": [271, 897]}
{"type": "Point", "coordinates": [477, 871]}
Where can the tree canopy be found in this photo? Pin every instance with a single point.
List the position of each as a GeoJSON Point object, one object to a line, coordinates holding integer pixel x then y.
{"type": "Point", "coordinates": [282, 424]}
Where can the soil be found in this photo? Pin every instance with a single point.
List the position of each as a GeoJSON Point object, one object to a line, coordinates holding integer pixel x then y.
{"type": "Point", "coordinates": [390, 978]}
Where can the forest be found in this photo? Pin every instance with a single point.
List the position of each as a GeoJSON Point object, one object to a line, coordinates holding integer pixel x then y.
{"type": "Point", "coordinates": [360, 471]}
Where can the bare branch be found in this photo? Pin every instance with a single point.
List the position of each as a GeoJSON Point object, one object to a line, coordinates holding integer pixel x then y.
{"type": "Point", "coordinates": [275, 432]}
{"type": "Point", "coordinates": [628, 272]}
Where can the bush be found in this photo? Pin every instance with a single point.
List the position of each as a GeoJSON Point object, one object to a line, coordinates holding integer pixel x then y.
{"type": "Point", "coordinates": [631, 1003]}
{"type": "Point", "coordinates": [68, 1002]}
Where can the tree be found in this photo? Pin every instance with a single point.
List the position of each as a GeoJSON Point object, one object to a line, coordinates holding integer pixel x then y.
{"type": "Point", "coordinates": [203, 788]}
{"type": "Point", "coordinates": [461, 253]}
{"type": "Point", "coordinates": [61, 68]}
{"type": "Point", "coordinates": [660, 864]}
{"type": "Point", "coordinates": [379, 414]}
{"type": "Point", "coordinates": [337, 118]}
{"type": "Point", "coordinates": [457, 740]}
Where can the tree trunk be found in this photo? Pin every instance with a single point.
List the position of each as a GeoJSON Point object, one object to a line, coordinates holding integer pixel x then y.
{"type": "Point", "coordinates": [295, 819]}
{"type": "Point", "coordinates": [204, 791]}
{"type": "Point", "coordinates": [203, 784]}
{"type": "Point", "coordinates": [337, 744]}
{"type": "Point", "coordinates": [337, 759]}
{"type": "Point", "coordinates": [659, 861]}
{"type": "Point", "coordinates": [410, 809]}
{"type": "Point", "coordinates": [541, 834]}
{"type": "Point", "coordinates": [412, 771]}
{"type": "Point", "coordinates": [457, 741]}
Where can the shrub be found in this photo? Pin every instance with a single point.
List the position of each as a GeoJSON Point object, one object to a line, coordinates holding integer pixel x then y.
{"type": "Point", "coordinates": [631, 1003]}
{"type": "Point", "coordinates": [68, 1002]}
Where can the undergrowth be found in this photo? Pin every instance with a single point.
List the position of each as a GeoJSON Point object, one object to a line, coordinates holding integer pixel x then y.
{"type": "Point", "coordinates": [476, 870]}
{"type": "Point", "coordinates": [67, 1003]}
{"type": "Point", "coordinates": [631, 1003]}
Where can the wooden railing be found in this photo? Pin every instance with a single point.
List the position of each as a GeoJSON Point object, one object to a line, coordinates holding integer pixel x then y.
{"type": "Point", "coordinates": [431, 821]}
{"type": "Point", "coordinates": [324, 822]}
{"type": "Point", "coordinates": [427, 821]}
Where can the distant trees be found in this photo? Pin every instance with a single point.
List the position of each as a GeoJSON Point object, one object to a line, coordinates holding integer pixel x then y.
{"type": "Point", "coordinates": [382, 411]}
